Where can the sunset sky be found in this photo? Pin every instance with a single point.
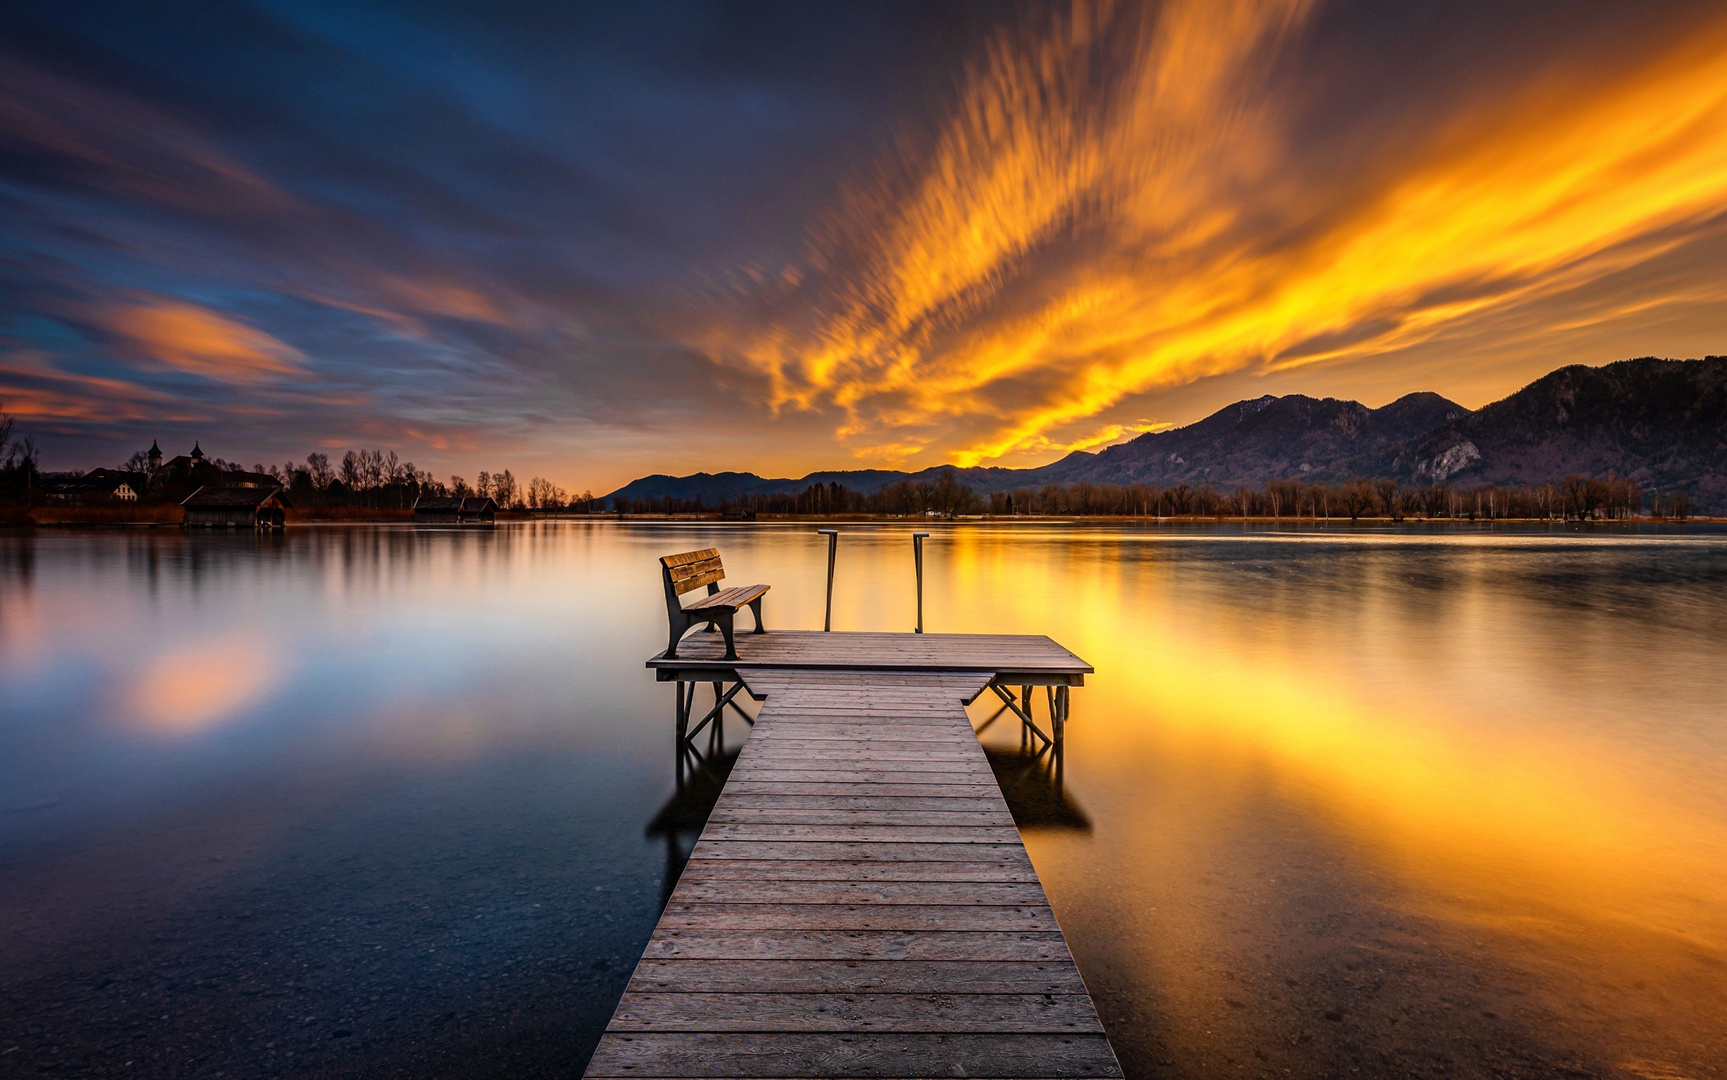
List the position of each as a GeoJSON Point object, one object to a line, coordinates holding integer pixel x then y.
{"type": "Point", "coordinates": [594, 242]}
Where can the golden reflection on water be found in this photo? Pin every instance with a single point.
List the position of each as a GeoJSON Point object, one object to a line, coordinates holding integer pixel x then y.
{"type": "Point", "coordinates": [1529, 771]}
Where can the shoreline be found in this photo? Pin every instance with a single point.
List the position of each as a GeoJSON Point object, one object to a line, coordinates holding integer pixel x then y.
{"type": "Point", "coordinates": [169, 516]}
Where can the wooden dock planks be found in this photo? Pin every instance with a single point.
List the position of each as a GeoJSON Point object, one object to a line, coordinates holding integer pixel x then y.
{"type": "Point", "coordinates": [859, 905]}
{"type": "Point", "coordinates": [1033, 656]}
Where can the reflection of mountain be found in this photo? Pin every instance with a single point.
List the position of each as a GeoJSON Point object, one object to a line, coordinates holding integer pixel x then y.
{"type": "Point", "coordinates": [700, 779]}
{"type": "Point", "coordinates": [1032, 785]}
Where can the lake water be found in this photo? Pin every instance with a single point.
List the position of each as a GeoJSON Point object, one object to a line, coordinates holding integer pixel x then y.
{"type": "Point", "coordinates": [368, 801]}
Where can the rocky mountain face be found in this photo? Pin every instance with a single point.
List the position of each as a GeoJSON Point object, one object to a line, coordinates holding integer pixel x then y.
{"type": "Point", "coordinates": [1267, 438]}
{"type": "Point", "coordinates": [1660, 422]}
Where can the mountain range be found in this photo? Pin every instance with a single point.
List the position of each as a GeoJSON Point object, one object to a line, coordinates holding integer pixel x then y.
{"type": "Point", "coordinates": [1662, 423]}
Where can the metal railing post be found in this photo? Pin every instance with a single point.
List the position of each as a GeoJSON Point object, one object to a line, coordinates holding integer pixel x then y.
{"type": "Point", "coordinates": [917, 539]}
{"type": "Point", "coordinates": [833, 536]}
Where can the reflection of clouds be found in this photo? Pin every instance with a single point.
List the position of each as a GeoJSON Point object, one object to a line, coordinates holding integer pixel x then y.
{"type": "Point", "coordinates": [1474, 787]}
{"type": "Point", "coordinates": [197, 686]}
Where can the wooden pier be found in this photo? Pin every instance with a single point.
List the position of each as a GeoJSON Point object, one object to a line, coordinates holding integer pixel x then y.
{"type": "Point", "coordinates": [859, 903]}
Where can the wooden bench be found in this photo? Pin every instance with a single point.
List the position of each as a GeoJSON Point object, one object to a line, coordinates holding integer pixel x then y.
{"type": "Point", "coordinates": [692, 570]}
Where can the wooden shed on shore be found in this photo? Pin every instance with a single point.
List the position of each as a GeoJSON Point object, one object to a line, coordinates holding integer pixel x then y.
{"type": "Point", "coordinates": [479, 509]}
{"type": "Point", "coordinates": [236, 508]}
{"type": "Point", "coordinates": [442, 510]}
{"type": "Point", "coordinates": [437, 509]}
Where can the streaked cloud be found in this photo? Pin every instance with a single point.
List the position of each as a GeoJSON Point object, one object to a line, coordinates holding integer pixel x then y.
{"type": "Point", "coordinates": [893, 235]}
{"type": "Point", "coordinates": [1121, 202]}
{"type": "Point", "coordinates": [194, 339]}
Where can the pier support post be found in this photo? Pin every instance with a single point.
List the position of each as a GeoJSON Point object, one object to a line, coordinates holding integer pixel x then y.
{"type": "Point", "coordinates": [917, 539]}
{"type": "Point", "coordinates": [833, 536]}
{"type": "Point", "coordinates": [724, 698]}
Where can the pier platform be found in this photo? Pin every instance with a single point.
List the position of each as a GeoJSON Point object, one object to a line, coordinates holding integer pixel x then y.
{"type": "Point", "coordinates": [859, 902]}
{"type": "Point", "coordinates": [1011, 659]}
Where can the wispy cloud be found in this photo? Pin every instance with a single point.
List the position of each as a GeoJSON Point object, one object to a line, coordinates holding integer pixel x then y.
{"type": "Point", "coordinates": [940, 233]}
{"type": "Point", "coordinates": [194, 339]}
{"type": "Point", "coordinates": [1120, 202]}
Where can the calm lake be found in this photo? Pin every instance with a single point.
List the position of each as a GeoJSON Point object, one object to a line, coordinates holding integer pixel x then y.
{"type": "Point", "coordinates": [379, 801]}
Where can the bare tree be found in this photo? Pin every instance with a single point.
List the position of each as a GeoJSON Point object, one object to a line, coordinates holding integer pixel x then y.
{"type": "Point", "coordinates": [1356, 498]}
{"type": "Point", "coordinates": [504, 489]}
{"type": "Point", "coordinates": [318, 468]}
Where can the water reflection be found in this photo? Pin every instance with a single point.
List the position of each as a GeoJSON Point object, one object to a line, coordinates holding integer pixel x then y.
{"type": "Point", "coordinates": [1031, 782]}
{"type": "Point", "coordinates": [1388, 802]}
{"type": "Point", "coordinates": [701, 776]}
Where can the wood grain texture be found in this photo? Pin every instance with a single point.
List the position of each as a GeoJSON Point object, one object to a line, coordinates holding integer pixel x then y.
{"type": "Point", "coordinates": [767, 660]}
{"type": "Point", "coordinates": [859, 903]}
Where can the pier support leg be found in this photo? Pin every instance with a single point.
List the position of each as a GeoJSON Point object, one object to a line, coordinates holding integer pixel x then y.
{"type": "Point", "coordinates": [723, 699]}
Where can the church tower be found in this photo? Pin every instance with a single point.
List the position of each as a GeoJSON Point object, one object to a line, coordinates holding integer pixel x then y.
{"type": "Point", "coordinates": [197, 454]}
{"type": "Point", "coordinates": [155, 456]}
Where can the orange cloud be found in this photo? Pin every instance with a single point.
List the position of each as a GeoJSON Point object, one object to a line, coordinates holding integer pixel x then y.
{"type": "Point", "coordinates": [32, 387]}
{"type": "Point", "coordinates": [194, 339]}
{"type": "Point", "coordinates": [1117, 203]}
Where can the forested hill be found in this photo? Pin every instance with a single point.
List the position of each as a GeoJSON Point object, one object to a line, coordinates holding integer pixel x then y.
{"type": "Point", "coordinates": [1660, 422]}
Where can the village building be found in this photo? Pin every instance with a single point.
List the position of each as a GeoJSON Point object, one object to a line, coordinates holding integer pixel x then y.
{"type": "Point", "coordinates": [182, 474]}
{"type": "Point", "coordinates": [93, 488]}
{"type": "Point", "coordinates": [236, 508]}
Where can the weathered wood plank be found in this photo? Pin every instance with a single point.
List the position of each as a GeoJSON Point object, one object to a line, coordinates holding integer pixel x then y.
{"type": "Point", "coordinates": [708, 888]}
{"type": "Point", "coordinates": [855, 976]}
{"type": "Point", "coordinates": [768, 815]}
{"type": "Point", "coordinates": [898, 762]}
{"type": "Point", "coordinates": [1020, 945]}
{"type": "Point", "coordinates": [768, 773]}
{"type": "Point", "coordinates": [757, 869]}
{"type": "Point", "coordinates": [861, 1055]}
{"type": "Point", "coordinates": [853, 834]}
{"type": "Point", "coordinates": [984, 803]}
{"type": "Point", "coordinates": [1038, 1013]}
{"type": "Point", "coordinates": [687, 557]}
{"type": "Point", "coordinates": [688, 913]}
{"type": "Point", "coordinates": [864, 852]}
{"type": "Point", "coordinates": [749, 786]}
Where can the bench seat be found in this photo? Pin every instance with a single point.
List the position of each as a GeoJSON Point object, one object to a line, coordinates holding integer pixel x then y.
{"type": "Point", "coordinates": [733, 598]}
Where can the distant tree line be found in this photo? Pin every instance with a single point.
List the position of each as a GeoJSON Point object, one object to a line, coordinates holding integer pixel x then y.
{"type": "Point", "coordinates": [1575, 498]}
{"type": "Point", "coordinates": [372, 479]}
{"type": "Point", "coordinates": [378, 479]}
{"type": "Point", "coordinates": [1582, 498]}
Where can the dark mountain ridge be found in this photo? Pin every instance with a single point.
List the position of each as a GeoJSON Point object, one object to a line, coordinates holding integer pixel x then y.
{"type": "Point", "coordinates": [1662, 423]}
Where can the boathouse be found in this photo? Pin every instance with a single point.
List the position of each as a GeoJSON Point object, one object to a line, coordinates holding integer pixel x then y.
{"type": "Point", "coordinates": [236, 508]}
{"type": "Point", "coordinates": [479, 509]}
{"type": "Point", "coordinates": [437, 509]}
{"type": "Point", "coordinates": [447, 510]}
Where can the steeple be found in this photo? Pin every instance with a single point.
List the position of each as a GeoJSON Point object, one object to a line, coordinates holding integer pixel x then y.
{"type": "Point", "coordinates": [155, 456]}
{"type": "Point", "coordinates": [197, 454]}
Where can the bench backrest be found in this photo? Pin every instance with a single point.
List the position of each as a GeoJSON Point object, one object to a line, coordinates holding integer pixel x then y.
{"type": "Point", "coordinates": [692, 570]}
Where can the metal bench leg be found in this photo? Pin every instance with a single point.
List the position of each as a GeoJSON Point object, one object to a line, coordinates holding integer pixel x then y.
{"type": "Point", "coordinates": [756, 610]}
{"type": "Point", "coordinates": [677, 636]}
{"type": "Point", "coordinates": [725, 622]}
